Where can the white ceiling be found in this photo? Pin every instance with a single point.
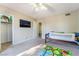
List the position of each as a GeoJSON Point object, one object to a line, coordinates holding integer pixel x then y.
{"type": "Point", "coordinates": [52, 8]}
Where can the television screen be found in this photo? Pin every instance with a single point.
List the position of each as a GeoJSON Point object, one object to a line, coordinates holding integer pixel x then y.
{"type": "Point", "coordinates": [25, 23]}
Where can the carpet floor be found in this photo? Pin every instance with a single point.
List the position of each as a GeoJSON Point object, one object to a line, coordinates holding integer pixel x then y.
{"type": "Point", "coordinates": [32, 47]}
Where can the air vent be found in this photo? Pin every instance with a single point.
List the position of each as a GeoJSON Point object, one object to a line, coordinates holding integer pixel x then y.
{"type": "Point", "coordinates": [67, 14]}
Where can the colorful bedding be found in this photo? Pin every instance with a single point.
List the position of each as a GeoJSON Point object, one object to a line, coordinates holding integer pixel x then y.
{"type": "Point", "coordinates": [53, 51]}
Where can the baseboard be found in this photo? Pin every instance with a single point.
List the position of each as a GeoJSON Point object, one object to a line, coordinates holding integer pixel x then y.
{"type": "Point", "coordinates": [6, 42]}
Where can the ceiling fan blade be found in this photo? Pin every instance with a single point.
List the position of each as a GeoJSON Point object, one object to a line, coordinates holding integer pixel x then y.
{"type": "Point", "coordinates": [49, 7]}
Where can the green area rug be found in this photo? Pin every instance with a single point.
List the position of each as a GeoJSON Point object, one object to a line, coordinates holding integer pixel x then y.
{"type": "Point", "coordinates": [54, 51]}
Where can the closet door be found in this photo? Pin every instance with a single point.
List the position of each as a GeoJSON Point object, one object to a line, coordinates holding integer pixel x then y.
{"type": "Point", "coordinates": [9, 32]}
{"type": "Point", "coordinates": [4, 34]}
{"type": "Point", "coordinates": [0, 36]}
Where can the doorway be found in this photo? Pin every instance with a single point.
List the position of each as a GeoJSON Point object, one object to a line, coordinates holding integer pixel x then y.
{"type": "Point", "coordinates": [6, 35]}
{"type": "Point", "coordinates": [40, 29]}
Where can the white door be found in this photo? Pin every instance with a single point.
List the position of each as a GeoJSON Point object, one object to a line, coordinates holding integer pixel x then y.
{"type": "Point", "coordinates": [4, 34]}
{"type": "Point", "coordinates": [9, 32]}
{"type": "Point", "coordinates": [0, 36]}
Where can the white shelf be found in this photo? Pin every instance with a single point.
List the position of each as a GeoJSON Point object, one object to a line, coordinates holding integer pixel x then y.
{"type": "Point", "coordinates": [6, 22]}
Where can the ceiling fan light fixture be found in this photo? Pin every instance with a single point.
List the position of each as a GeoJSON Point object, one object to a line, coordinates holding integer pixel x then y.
{"type": "Point", "coordinates": [39, 6]}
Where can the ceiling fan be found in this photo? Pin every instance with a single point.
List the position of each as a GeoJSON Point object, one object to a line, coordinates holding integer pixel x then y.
{"type": "Point", "coordinates": [42, 6]}
{"type": "Point", "coordinates": [39, 6]}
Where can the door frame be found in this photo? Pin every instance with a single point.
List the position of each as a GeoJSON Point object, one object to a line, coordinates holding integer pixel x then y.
{"type": "Point", "coordinates": [0, 35]}
{"type": "Point", "coordinates": [40, 29]}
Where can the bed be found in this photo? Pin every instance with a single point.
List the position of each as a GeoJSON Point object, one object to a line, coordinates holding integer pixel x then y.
{"type": "Point", "coordinates": [65, 36]}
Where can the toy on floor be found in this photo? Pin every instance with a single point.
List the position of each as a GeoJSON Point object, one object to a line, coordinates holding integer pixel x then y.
{"type": "Point", "coordinates": [52, 51]}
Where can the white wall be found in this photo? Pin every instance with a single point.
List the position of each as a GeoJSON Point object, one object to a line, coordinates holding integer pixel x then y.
{"type": "Point", "coordinates": [20, 35]}
{"type": "Point", "coordinates": [77, 21]}
{"type": "Point", "coordinates": [61, 23]}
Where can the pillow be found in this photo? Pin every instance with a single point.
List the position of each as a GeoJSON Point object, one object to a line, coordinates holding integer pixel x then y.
{"type": "Point", "coordinates": [76, 34]}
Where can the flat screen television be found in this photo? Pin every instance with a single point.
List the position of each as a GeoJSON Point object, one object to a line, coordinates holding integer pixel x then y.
{"type": "Point", "coordinates": [25, 23]}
